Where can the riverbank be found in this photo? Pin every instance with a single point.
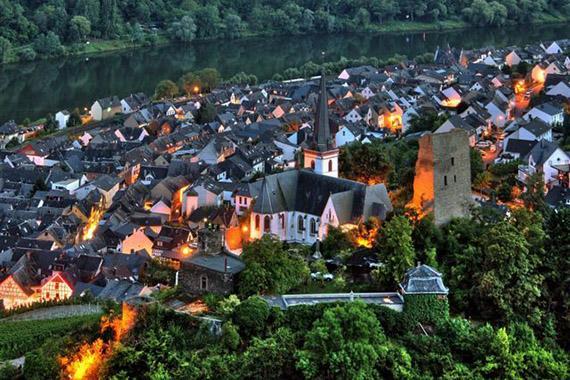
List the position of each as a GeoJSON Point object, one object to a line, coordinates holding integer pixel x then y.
{"type": "Point", "coordinates": [95, 47]}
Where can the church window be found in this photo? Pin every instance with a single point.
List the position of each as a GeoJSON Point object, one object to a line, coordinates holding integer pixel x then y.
{"type": "Point", "coordinates": [313, 227]}
{"type": "Point", "coordinates": [266, 223]}
{"type": "Point", "coordinates": [313, 164]}
{"type": "Point", "coordinates": [282, 221]}
{"type": "Point", "coordinates": [330, 166]}
{"type": "Point", "coordinates": [257, 222]}
{"type": "Point", "coordinates": [300, 223]}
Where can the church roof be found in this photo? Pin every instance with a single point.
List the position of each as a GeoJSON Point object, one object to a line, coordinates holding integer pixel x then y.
{"type": "Point", "coordinates": [308, 192]}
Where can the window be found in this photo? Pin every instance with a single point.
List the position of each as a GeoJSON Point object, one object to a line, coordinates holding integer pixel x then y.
{"type": "Point", "coordinates": [330, 166]}
{"type": "Point", "coordinates": [452, 161]}
{"type": "Point", "coordinates": [454, 178]}
{"type": "Point", "coordinates": [282, 221]}
{"type": "Point", "coordinates": [445, 180]}
{"type": "Point", "coordinates": [313, 164]}
{"type": "Point", "coordinates": [56, 285]}
{"type": "Point", "coordinates": [266, 223]}
{"type": "Point", "coordinates": [257, 221]}
{"type": "Point", "coordinates": [204, 282]}
{"type": "Point", "coordinates": [313, 227]}
{"type": "Point", "coordinates": [300, 223]}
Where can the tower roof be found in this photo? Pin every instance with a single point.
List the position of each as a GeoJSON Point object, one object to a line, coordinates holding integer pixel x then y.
{"type": "Point", "coordinates": [322, 130]}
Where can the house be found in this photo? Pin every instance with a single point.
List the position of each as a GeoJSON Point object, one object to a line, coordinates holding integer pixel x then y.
{"type": "Point", "coordinates": [543, 158]}
{"type": "Point", "coordinates": [140, 240]}
{"type": "Point", "coordinates": [62, 118]}
{"type": "Point", "coordinates": [134, 102]}
{"type": "Point", "coordinates": [548, 113]}
{"type": "Point", "coordinates": [553, 48]}
{"type": "Point", "coordinates": [299, 205]}
{"type": "Point", "coordinates": [8, 132]}
{"type": "Point", "coordinates": [423, 279]}
{"type": "Point", "coordinates": [512, 59]}
{"type": "Point", "coordinates": [533, 130]}
{"type": "Point", "coordinates": [347, 134]}
{"type": "Point", "coordinates": [211, 269]}
{"type": "Point", "coordinates": [105, 108]}
{"type": "Point", "coordinates": [58, 286]}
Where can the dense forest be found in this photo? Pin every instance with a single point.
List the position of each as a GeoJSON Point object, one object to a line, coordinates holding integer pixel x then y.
{"type": "Point", "coordinates": [29, 28]}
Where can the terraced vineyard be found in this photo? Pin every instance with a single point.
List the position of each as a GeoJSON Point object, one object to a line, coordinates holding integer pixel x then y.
{"type": "Point", "coordinates": [19, 337]}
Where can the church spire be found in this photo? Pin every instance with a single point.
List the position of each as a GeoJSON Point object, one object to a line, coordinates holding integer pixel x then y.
{"type": "Point", "coordinates": [322, 131]}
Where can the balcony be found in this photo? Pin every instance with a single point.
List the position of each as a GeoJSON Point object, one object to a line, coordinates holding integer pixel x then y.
{"type": "Point", "coordinates": [525, 171]}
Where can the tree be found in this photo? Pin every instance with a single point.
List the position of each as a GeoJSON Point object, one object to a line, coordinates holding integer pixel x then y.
{"type": "Point", "coordinates": [366, 163]}
{"type": "Point", "coordinates": [109, 21]}
{"type": "Point", "coordinates": [396, 249]}
{"type": "Point", "coordinates": [191, 83]}
{"type": "Point", "coordinates": [137, 33]}
{"type": "Point", "coordinates": [506, 282]}
{"type": "Point", "coordinates": [74, 118]}
{"type": "Point", "coordinates": [336, 241]}
{"type": "Point", "coordinates": [183, 30]}
{"type": "Point", "coordinates": [48, 44]}
{"type": "Point", "coordinates": [346, 343]}
{"type": "Point", "coordinates": [209, 78]}
{"type": "Point", "coordinates": [166, 89]}
{"type": "Point", "coordinates": [208, 20]}
{"type": "Point", "coordinates": [533, 197]}
{"type": "Point", "coordinates": [5, 46]}
{"type": "Point", "coordinates": [79, 28]}
{"type": "Point", "coordinates": [427, 121]}
{"type": "Point", "coordinates": [206, 114]}
{"type": "Point", "coordinates": [233, 25]}
{"type": "Point", "coordinates": [270, 269]}
{"type": "Point", "coordinates": [476, 163]}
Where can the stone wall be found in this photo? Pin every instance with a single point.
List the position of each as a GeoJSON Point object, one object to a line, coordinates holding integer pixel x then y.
{"type": "Point", "coordinates": [190, 279]}
{"type": "Point", "coordinates": [443, 175]}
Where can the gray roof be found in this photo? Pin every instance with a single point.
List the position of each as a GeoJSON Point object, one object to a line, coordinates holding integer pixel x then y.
{"type": "Point", "coordinates": [218, 262]}
{"type": "Point", "coordinates": [423, 279]}
{"type": "Point", "coordinates": [285, 301]}
{"type": "Point", "coordinates": [322, 130]}
{"type": "Point", "coordinates": [521, 147]}
{"type": "Point", "coordinates": [308, 192]}
{"type": "Point", "coordinates": [541, 152]}
{"type": "Point", "coordinates": [537, 127]}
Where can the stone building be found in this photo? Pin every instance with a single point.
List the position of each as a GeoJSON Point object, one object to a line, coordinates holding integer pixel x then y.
{"type": "Point", "coordinates": [442, 184]}
{"type": "Point", "coordinates": [211, 269]}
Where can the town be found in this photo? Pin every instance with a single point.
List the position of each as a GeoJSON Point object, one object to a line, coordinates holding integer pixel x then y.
{"type": "Point", "coordinates": [177, 194]}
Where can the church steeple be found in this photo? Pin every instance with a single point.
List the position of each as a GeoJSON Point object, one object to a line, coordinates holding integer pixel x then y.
{"type": "Point", "coordinates": [322, 155]}
{"type": "Point", "coordinates": [322, 130]}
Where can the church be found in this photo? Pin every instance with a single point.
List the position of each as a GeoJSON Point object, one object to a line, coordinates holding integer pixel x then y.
{"type": "Point", "coordinates": [299, 205]}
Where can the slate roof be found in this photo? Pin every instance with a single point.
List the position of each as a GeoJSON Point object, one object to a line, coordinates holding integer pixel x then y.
{"type": "Point", "coordinates": [541, 152]}
{"type": "Point", "coordinates": [537, 127]}
{"type": "Point", "coordinates": [218, 262]}
{"type": "Point", "coordinates": [423, 279]}
{"type": "Point", "coordinates": [521, 147]}
{"type": "Point", "coordinates": [307, 192]}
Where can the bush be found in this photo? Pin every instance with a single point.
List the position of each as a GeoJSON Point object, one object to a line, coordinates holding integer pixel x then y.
{"type": "Point", "coordinates": [251, 316]}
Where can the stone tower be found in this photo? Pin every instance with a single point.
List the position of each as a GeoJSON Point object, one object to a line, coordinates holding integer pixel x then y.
{"type": "Point", "coordinates": [442, 184]}
{"type": "Point", "coordinates": [322, 156]}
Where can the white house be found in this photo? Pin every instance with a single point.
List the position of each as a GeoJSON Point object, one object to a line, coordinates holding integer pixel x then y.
{"type": "Point", "coordinates": [62, 117]}
{"type": "Point", "coordinates": [347, 134]}
{"type": "Point", "coordinates": [512, 59]}
{"type": "Point", "coordinates": [105, 108]}
{"type": "Point", "coordinates": [547, 112]}
{"type": "Point", "coordinates": [534, 130]}
{"type": "Point", "coordinates": [553, 48]}
{"type": "Point", "coordinates": [543, 158]}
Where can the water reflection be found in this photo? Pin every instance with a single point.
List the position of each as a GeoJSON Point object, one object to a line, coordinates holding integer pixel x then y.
{"type": "Point", "coordinates": [34, 89]}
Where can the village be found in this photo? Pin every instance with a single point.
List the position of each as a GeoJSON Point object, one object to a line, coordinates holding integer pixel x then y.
{"type": "Point", "coordinates": [146, 184]}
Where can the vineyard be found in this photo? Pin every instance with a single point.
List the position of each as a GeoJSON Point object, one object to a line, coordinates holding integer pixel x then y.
{"type": "Point", "coordinates": [17, 338]}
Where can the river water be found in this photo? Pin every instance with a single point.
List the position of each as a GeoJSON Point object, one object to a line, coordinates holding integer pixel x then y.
{"type": "Point", "coordinates": [32, 90]}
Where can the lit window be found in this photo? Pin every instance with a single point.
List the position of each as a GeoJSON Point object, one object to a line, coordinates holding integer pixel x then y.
{"type": "Point", "coordinates": [257, 222]}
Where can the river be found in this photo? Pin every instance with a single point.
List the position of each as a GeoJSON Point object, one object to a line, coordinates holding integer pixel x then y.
{"type": "Point", "coordinates": [32, 90]}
